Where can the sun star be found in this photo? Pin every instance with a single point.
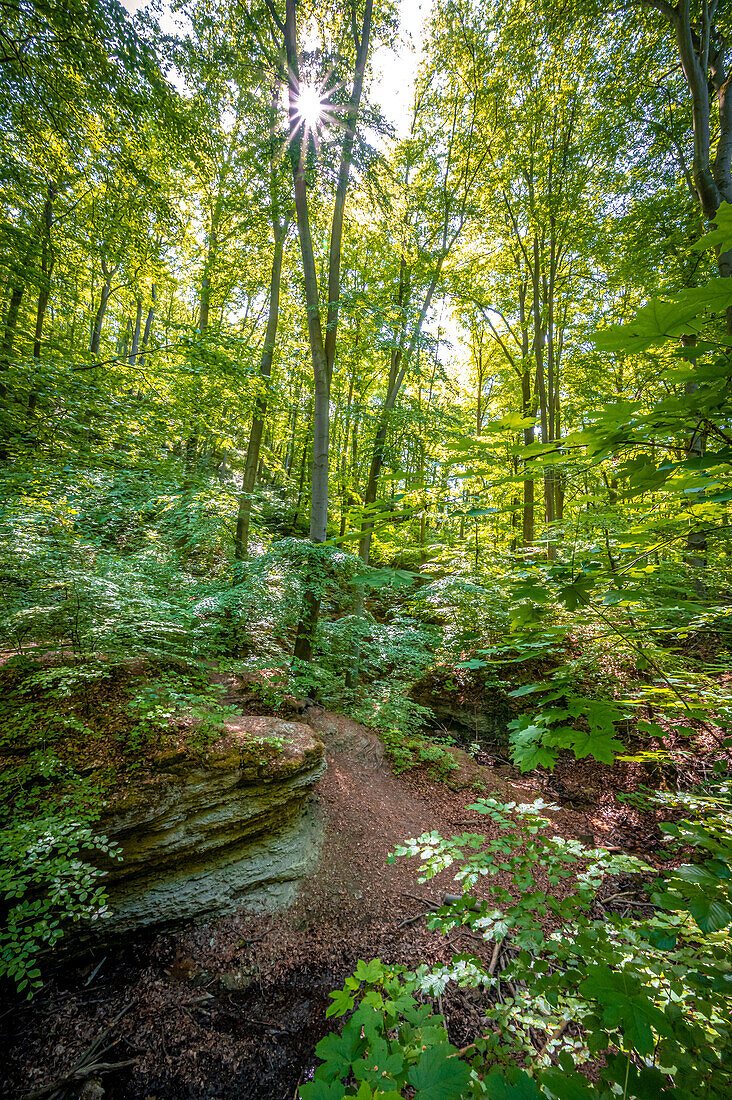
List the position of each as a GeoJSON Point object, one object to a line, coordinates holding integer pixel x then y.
{"type": "Point", "coordinates": [310, 106]}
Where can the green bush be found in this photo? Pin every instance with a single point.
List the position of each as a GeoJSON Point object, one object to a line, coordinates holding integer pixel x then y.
{"type": "Point", "coordinates": [46, 883]}
{"type": "Point", "coordinates": [648, 1001]}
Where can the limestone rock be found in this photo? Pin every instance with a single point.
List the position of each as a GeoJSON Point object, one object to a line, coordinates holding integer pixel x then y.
{"type": "Point", "coordinates": [204, 835]}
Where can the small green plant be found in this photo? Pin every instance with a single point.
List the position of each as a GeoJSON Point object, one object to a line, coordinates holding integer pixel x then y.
{"type": "Point", "coordinates": [172, 697]}
{"type": "Point", "coordinates": [46, 883]}
{"type": "Point", "coordinates": [646, 1000]}
{"type": "Point", "coordinates": [400, 723]}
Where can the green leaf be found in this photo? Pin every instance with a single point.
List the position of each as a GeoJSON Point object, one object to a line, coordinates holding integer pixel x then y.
{"type": "Point", "coordinates": [378, 1065]}
{"type": "Point", "coordinates": [322, 1090]}
{"type": "Point", "coordinates": [568, 1086]}
{"type": "Point", "coordinates": [371, 971]}
{"type": "Point", "coordinates": [662, 320]}
{"type": "Point", "coordinates": [513, 1085]}
{"type": "Point", "coordinates": [627, 1006]}
{"type": "Point", "coordinates": [526, 689]}
{"type": "Point", "coordinates": [342, 1003]}
{"type": "Point", "coordinates": [338, 1052]}
{"type": "Point", "coordinates": [439, 1075]}
{"type": "Point", "coordinates": [721, 236]}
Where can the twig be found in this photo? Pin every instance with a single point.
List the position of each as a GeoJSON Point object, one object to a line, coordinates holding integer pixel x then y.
{"type": "Point", "coordinates": [413, 920]}
{"type": "Point", "coordinates": [494, 957]}
{"type": "Point", "coordinates": [414, 897]}
{"type": "Point", "coordinates": [259, 939]}
{"type": "Point", "coordinates": [556, 1034]}
{"type": "Point", "coordinates": [79, 1074]}
{"type": "Point", "coordinates": [94, 972]}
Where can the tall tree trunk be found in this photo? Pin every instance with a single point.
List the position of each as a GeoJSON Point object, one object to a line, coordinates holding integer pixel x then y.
{"type": "Point", "coordinates": [241, 542]}
{"type": "Point", "coordinates": [11, 324]}
{"type": "Point", "coordinates": [48, 260]}
{"type": "Point", "coordinates": [106, 290]}
{"type": "Point", "coordinates": [344, 449]}
{"type": "Point", "coordinates": [322, 350]}
{"type": "Point", "coordinates": [136, 333]}
{"type": "Point", "coordinates": [6, 355]}
{"type": "Point", "coordinates": [148, 326]}
{"type": "Point", "coordinates": [527, 526]}
{"type": "Point", "coordinates": [290, 454]}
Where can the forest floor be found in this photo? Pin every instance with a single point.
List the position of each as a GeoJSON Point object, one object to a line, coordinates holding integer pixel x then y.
{"type": "Point", "coordinates": [234, 1008]}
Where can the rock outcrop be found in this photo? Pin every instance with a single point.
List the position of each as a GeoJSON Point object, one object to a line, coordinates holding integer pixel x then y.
{"type": "Point", "coordinates": [467, 702]}
{"type": "Point", "coordinates": [203, 836]}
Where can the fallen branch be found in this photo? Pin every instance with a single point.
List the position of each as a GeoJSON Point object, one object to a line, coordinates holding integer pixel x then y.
{"type": "Point", "coordinates": [79, 1074]}
{"type": "Point", "coordinates": [87, 1066]}
{"type": "Point", "coordinates": [556, 1034]}
{"type": "Point", "coordinates": [258, 939]}
{"type": "Point", "coordinates": [494, 957]}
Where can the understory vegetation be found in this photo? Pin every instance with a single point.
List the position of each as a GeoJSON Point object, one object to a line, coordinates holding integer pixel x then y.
{"type": "Point", "coordinates": [423, 419]}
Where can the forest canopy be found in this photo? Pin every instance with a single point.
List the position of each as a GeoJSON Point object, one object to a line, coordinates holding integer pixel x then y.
{"type": "Point", "coordinates": [339, 381]}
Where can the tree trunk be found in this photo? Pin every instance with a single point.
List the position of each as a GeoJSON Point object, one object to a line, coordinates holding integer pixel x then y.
{"type": "Point", "coordinates": [322, 350]}
{"type": "Point", "coordinates": [48, 259]}
{"type": "Point", "coordinates": [102, 309]}
{"type": "Point", "coordinates": [136, 334]}
{"type": "Point", "coordinates": [6, 354]}
{"type": "Point", "coordinates": [148, 326]}
{"type": "Point", "coordinates": [241, 542]}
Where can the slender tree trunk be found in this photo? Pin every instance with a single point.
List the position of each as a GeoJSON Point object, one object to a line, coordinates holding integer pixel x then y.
{"type": "Point", "coordinates": [322, 350]}
{"type": "Point", "coordinates": [6, 355]}
{"type": "Point", "coordinates": [102, 309]}
{"type": "Point", "coordinates": [260, 409]}
{"type": "Point", "coordinates": [301, 483]}
{"type": "Point", "coordinates": [132, 360]}
{"type": "Point", "coordinates": [48, 260]}
{"type": "Point", "coordinates": [148, 326]}
{"type": "Point", "coordinates": [527, 527]}
{"type": "Point", "coordinates": [344, 452]}
{"type": "Point", "coordinates": [290, 455]}
{"type": "Point", "coordinates": [11, 324]}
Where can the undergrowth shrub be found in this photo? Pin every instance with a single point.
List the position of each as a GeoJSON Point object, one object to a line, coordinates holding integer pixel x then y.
{"type": "Point", "coordinates": [400, 723]}
{"type": "Point", "coordinates": [46, 883]}
{"type": "Point", "coordinates": [646, 1001]}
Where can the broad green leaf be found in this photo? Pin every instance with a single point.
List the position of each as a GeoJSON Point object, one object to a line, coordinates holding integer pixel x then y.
{"type": "Point", "coordinates": [322, 1090]}
{"type": "Point", "coordinates": [662, 320]}
{"type": "Point", "coordinates": [511, 1085]}
{"type": "Point", "coordinates": [338, 1052]}
{"type": "Point", "coordinates": [439, 1075]}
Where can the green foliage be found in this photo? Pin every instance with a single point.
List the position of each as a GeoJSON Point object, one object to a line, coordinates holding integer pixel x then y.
{"type": "Point", "coordinates": [46, 883]}
{"type": "Point", "coordinates": [400, 722]}
{"type": "Point", "coordinates": [175, 696]}
{"type": "Point", "coordinates": [537, 739]}
{"type": "Point", "coordinates": [658, 321]}
{"type": "Point", "coordinates": [389, 1043]}
{"type": "Point", "coordinates": [653, 995]}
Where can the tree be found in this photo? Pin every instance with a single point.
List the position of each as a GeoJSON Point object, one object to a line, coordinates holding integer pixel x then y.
{"type": "Point", "coordinates": [322, 345]}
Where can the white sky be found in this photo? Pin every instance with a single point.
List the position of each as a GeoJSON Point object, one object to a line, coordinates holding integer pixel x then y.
{"type": "Point", "coordinates": [395, 70]}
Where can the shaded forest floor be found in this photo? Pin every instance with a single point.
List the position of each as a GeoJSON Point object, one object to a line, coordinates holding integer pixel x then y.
{"type": "Point", "coordinates": [233, 1009]}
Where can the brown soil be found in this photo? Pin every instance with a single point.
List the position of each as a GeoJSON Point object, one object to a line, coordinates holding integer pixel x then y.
{"type": "Point", "coordinates": [234, 1009]}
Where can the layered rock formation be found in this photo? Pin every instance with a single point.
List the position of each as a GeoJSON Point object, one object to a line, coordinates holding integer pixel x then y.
{"type": "Point", "coordinates": [205, 835]}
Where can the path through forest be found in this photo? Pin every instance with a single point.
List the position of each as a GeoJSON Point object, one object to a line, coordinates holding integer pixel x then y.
{"type": "Point", "coordinates": [234, 1008]}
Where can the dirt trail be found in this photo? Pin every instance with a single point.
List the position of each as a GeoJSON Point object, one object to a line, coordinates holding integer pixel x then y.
{"type": "Point", "coordinates": [233, 1009]}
